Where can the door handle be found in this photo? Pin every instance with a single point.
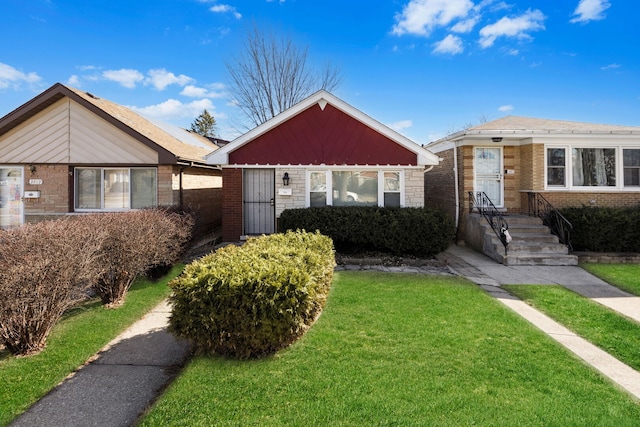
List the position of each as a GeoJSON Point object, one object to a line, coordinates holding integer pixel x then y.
{"type": "Point", "coordinates": [272, 202]}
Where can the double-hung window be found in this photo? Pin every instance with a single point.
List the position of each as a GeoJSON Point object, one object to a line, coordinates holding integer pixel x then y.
{"type": "Point", "coordinates": [113, 189]}
{"type": "Point", "coordinates": [631, 162]}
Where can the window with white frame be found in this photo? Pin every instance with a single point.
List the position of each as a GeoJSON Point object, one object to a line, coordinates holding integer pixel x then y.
{"type": "Point", "coordinates": [115, 188]}
{"type": "Point", "coordinates": [588, 167]}
{"type": "Point", "coordinates": [631, 162]}
{"type": "Point", "coordinates": [355, 188]}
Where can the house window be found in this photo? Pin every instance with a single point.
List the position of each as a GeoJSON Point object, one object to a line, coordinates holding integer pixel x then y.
{"type": "Point", "coordinates": [556, 166]}
{"type": "Point", "coordinates": [631, 162]}
{"type": "Point", "coordinates": [392, 188]}
{"type": "Point", "coordinates": [115, 189]}
{"type": "Point", "coordinates": [318, 185]}
{"type": "Point", "coordinates": [355, 188]}
{"type": "Point", "coordinates": [594, 167]}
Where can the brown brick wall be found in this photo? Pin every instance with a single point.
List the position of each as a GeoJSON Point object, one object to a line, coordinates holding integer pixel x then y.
{"type": "Point", "coordinates": [565, 199]}
{"type": "Point", "coordinates": [232, 205]}
{"type": "Point", "coordinates": [439, 185]}
{"type": "Point", "coordinates": [55, 197]}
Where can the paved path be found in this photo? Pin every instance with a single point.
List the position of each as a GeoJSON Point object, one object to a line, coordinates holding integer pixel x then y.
{"type": "Point", "coordinates": [122, 381]}
{"type": "Point", "coordinates": [127, 375]}
{"type": "Point", "coordinates": [485, 272]}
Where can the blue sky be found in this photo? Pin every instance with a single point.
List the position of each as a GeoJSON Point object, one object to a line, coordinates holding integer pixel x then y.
{"type": "Point", "coordinates": [423, 67]}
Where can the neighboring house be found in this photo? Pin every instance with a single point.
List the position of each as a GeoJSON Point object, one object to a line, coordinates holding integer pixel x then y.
{"type": "Point", "coordinates": [513, 158]}
{"type": "Point", "coordinates": [67, 151]}
{"type": "Point", "coordinates": [320, 152]}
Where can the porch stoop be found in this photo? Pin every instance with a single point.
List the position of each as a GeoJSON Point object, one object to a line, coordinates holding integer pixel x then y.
{"type": "Point", "coordinates": [532, 244]}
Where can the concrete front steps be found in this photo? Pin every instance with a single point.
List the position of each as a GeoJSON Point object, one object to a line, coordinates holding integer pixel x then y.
{"type": "Point", "coordinates": [532, 244]}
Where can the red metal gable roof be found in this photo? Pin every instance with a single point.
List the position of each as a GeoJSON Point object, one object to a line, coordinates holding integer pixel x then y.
{"type": "Point", "coordinates": [316, 136]}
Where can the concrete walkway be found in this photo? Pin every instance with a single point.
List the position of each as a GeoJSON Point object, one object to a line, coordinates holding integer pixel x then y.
{"type": "Point", "coordinates": [490, 276]}
{"type": "Point", "coordinates": [124, 379]}
{"type": "Point", "coordinates": [119, 384]}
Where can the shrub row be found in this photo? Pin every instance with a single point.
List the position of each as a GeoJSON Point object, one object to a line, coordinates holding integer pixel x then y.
{"type": "Point", "coordinates": [604, 229]}
{"type": "Point", "coordinates": [419, 232]}
{"type": "Point", "coordinates": [47, 267]}
{"type": "Point", "coordinates": [249, 301]}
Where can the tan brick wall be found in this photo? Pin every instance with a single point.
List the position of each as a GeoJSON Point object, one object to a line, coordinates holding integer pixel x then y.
{"type": "Point", "coordinates": [414, 188]}
{"type": "Point", "coordinates": [566, 199]}
{"type": "Point", "coordinates": [297, 199]}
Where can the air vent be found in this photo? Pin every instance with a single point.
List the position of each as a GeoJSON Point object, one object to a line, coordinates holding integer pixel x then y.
{"type": "Point", "coordinates": [90, 95]}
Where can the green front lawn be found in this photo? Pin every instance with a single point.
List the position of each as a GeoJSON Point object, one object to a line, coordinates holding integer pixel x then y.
{"type": "Point", "coordinates": [599, 325]}
{"type": "Point", "coordinates": [623, 276]}
{"type": "Point", "coordinates": [81, 333]}
{"type": "Point", "coordinates": [410, 350]}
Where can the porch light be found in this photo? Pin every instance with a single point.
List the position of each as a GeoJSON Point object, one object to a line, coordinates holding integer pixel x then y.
{"type": "Point", "coordinates": [285, 179]}
{"type": "Point", "coordinates": [496, 139]}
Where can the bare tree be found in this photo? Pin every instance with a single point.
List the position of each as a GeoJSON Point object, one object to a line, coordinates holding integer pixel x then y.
{"type": "Point", "coordinates": [272, 74]}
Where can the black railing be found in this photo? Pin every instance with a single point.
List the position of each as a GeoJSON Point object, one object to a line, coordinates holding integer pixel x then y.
{"type": "Point", "coordinates": [480, 203]}
{"type": "Point", "coordinates": [551, 217]}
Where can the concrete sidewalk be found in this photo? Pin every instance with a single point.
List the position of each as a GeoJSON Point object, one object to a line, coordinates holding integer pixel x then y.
{"type": "Point", "coordinates": [119, 384]}
{"type": "Point", "coordinates": [124, 379]}
{"type": "Point", "coordinates": [485, 272]}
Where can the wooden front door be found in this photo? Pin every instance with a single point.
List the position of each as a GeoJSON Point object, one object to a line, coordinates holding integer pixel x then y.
{"type": "Point", "coordinates": [259, 201]}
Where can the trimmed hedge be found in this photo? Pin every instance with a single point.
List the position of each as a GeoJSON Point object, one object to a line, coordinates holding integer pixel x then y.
{"type": "Point", "coordinates": [604, 229]}
{"type": "Point", "coordinates": [252, 300]}
{"type": "Point", "coordinates": [419, 232]}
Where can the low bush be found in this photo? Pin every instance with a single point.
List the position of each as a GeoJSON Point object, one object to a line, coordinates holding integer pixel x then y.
{"type": "Point", "coordinates": [604, 229]}
{"type": "Point", "coordinates": [133, 243]}
{"type": "Point", "coordinates": [45, 268]}
{"type": "Point", "coordinates": [250, 301]}
{"type": "Point", "coordinates": [401, 231]}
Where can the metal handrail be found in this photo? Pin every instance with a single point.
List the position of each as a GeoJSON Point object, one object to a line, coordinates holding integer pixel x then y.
{"type": "Point", "coordinates": [479, 202]}
{"type": "Point", "coordinates": [551, 217]}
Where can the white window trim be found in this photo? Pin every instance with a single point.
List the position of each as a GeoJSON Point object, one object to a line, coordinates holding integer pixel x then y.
{"type": "Point", "coordinates": [329, 183]}
{"type": "Point", "coordinates": [102, 169]}
{"type": "Point", "coordinates": [619, 187]}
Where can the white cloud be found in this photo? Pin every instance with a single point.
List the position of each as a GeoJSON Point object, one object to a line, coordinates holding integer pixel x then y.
{"type": "Point", "coordinates": [449, 45]}
{"type": "Point", "coordinates": [506, 108]}
{"type": "Point", "coordinates": [590, 10]}
{"type": "Point", "coordinates": [401, 125]}
{"type": "Point", "coordinates": [519, 27]}
{"type": "Point", "coordinates": [212, 91]}
{"type": "Point", "coordinates": [420, 17]}
{"type": "Point", "coordinates": [161, 78]}
{"type": "Point", "coordinates": [610, 67]}
{"type": "Point", "coordinates": [225, 8]}
{"type": "Point", "coordinates": [513, 52]}
{"type": "Point", "coordinates": [11, 77]}
{"type": "Point", "coordinates": [172, 110]}
{"type": "Point", "coordinates": [74, 81]}
{"type": "Point", "coordinates": [124, 76]}
{"type": "Point", "coordinates": [466, 25]}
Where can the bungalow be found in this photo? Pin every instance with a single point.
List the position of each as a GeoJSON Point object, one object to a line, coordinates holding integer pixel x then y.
{"type": "Point", "coordinates": [320, 152]}
{"type": "Point", "coordinates": [67, 151]}
{"type": "Point", "coordinates": [520, 165]}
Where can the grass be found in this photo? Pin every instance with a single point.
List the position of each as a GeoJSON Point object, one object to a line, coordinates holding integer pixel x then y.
{"type": "Point", "coordinates": [82, 332]}
{"type": "Point", "coordinates": [623, 276]}
{"type": "Point", "coordinates": [410, 350]}
{"type": "Point", "coordinates": [599, 325]}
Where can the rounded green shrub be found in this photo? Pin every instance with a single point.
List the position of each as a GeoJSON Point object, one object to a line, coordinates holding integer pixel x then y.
{"type": "Point", "coordinates": [252, 300]}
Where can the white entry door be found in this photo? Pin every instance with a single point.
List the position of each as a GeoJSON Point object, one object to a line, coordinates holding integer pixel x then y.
{"type": "Point", "coordinates": [11, 205]}
{"type": "Point", "coordinates": [488, 173]}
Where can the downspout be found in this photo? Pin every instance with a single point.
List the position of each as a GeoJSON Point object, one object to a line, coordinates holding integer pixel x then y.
{"type": "Point", "coordinates": [456, 183]}
{"type": "Point", "coordinates": [181, 202]}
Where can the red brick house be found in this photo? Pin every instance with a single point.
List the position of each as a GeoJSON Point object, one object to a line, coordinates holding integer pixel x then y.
{"type": "Point", "coordinates": [67, 151]}
{"type": "Point", "coordinates": [320, 152]}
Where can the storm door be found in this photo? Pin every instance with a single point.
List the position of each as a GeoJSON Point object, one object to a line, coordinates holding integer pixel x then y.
{"type": "Point", "coordinates": [11, 204]}
{"type": "Point", "coordinates": [488, 173]}
{"type": "Point", "coordinates": [259, 201]}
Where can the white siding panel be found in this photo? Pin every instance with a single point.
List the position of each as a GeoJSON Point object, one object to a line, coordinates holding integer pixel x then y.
{"type": "Point", "coordinates": [41, 139]}
{"type": "Point", "coordinates": [94, 140]}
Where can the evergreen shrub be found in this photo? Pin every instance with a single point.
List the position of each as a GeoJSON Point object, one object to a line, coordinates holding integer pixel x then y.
{"type": "Point", "coordinates": [252, 300]}
{"type": "Point", "coordinates": [604, 229]}
{"type": "Point", "coordinates": [421, 232]}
